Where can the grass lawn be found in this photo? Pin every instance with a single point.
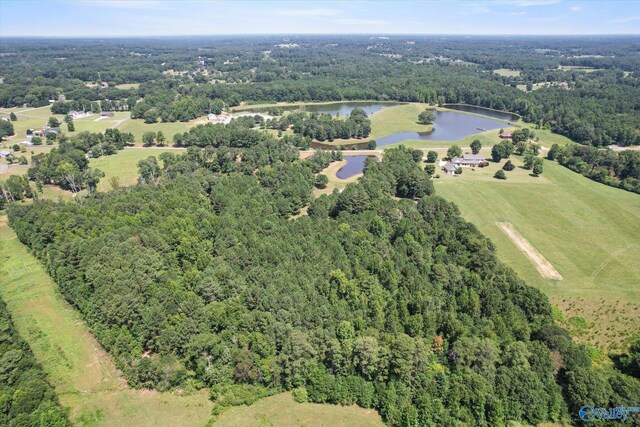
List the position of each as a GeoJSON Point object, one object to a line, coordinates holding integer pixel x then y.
{"type": "Point", "coordinates": [507, 73]}
{"type": "Point", "coordinates": [124, 165]}
{"type": "Point", "coordinates": [137, 127]}
{"type": "Point", "coordinates": [280, 410]}
{"type": "Point", "coordinates": [588, 231]}
{"type": "Point", "coordinates": [401, 118]}
{"type": "Point", "coordinates": [84, 376]}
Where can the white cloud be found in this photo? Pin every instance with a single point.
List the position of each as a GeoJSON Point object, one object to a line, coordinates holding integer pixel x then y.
{"type": "Point", "coordinates": [318, 12]}
{"type": "Point", "coordinates": [625, 19]}
{"type": "Point", "coordinates": [576, 8]}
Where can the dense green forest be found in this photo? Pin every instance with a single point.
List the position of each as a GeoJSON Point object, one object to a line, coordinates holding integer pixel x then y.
{"type": "Point", "coordinates": [26, 397]}
{"type": "Point", "coordinates": [381, 296]}
{"type": "Point", "coordinates": [181, 79]}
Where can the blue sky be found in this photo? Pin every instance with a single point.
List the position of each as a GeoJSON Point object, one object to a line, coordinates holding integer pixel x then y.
{"type": "Point", "coordinates": [186, 17]}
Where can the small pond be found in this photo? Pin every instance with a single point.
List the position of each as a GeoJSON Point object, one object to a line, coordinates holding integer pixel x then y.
{"type": "Point", "coordinates": [354, 166]}
{"type": "Point", "coordinates": [500, 115]}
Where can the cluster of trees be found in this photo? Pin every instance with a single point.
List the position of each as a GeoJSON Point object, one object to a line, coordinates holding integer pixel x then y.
{"type": "Point", "coordinates": [324, 127]}
{"type": "Point", "coordinates": [235, 134]}
{"type": "Point", "coordinates": [199, 276]}
{"type": "Point", "coordinates": [617, 169]}
{"type": "Point", "coordinates": [167, 106]}
{"type": "Point", "coordinates": [6, 129]}
{"type": "Point", "coordinates": [15, 188]}
{"type": "Point", "coordinates": [27, 399]}
{"type": "Point", "coordinates": [68, 164]}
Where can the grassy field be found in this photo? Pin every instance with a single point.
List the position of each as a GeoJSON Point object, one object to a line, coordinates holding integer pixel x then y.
{"type": "Point", "coordinates": [507, 73]}
{"type": "Point", "coordinates": [124, 165]}
{"type": "Point", "coordinates": [401, 118]}
{"type": "Point", "coordinates": [137, 127]}
{"type": "Point", "coordinates": [280, 410]}
{"type": "Point", "coordinates": [84, 376]}
{"type": "Point", "coordinates": [588, 231]}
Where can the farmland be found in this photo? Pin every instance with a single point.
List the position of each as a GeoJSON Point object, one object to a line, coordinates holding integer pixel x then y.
{"type": "Point", "coordinates": [586, 230]}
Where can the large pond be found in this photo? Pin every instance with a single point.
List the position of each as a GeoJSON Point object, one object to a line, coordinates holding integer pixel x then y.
{"type": "Point", "coordinates": [449, 126]}
{"type": "Point", "coordinates": [354, 166]}
{"type": "Point", "coordinates": [335, 108]}
{"type": "Point", "coordinates": [500, 115]}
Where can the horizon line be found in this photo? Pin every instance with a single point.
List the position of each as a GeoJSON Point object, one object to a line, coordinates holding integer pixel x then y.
{"type": "Point", "coordinates": [75, 36]}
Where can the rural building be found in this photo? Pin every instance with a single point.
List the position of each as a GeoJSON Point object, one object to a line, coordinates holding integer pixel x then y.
{"type": "Point", "coordinates": [4, 119]}
{"type": "Point", "coordinates": [469, 160]}
{"type": "Point", "coordinates": [505, 135]}
{"type": "Point", "coordinates": [107, 114]}
{"type": "Point", "coordinates": [449, 168]}
{"type": "Point", "coordinates": [5, 153]}
{"type": "Point", "coordinates": [48, 130]}
{"type": "Point", "coordinates": [222, 118]}
{"type": "Point", "coordinates": [79, 114]}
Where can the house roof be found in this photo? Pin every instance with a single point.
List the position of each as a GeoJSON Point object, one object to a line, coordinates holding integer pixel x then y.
{"type": "Point", "coordinates": [5, 152]}
{"type": "Point", "coordinates": [449, 167]}
{"type": "Point", "coordinates": [473, 157]}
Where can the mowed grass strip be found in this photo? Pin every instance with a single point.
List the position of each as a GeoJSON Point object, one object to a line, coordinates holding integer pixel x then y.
{"type": "Point", "coordinates": [588, 231]}
{"type": "Point", "coordinates": [83, 374]}
{"type": "Point", "coordinates": [280, 410]}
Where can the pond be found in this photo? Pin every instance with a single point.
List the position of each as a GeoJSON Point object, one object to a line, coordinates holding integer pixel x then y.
{"type": "Point", "coordinates": [334, 108]}
{"type": "Point", "coordinates": [354, 166]}
{"type": "Point", "coordinates": [500, 115]}
{"type": "Point", "coordinates": [345, 108]}
{"type": "Point", "coordinates": [448, 126]}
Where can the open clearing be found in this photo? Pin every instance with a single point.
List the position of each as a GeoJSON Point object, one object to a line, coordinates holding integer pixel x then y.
{"type": "Point", "coordinates": [280, 410]}
{"type": "Point", "coordinates": [124, 165]}
{"type": "Point", "coordinates": [507, 73]}
{"type": "Point", "coordinates": [542, 265]}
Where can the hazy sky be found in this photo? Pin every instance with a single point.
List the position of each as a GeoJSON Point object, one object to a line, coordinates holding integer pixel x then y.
{"type": "Point", "coordinates": [158, 17]}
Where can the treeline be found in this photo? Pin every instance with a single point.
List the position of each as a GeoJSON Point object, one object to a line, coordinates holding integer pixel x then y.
{"type": "Point", "coordinates": [617, 169]}
{"type": "Point", "coordinates": [27, 399]}
{"type": "Point", "coordinates": [200, 277]}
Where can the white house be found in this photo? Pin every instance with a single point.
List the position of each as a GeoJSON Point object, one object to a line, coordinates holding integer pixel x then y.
{"type": "Point", "coordinates": [222, 118]}
{"type": "Point", "coordinates": [449, 168]}
{"type": "Point", "coordinates": [469, 160]}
